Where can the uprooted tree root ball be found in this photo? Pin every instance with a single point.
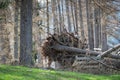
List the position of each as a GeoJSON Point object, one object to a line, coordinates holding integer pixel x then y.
{"type": "Point", "coordinates": [66, 59]}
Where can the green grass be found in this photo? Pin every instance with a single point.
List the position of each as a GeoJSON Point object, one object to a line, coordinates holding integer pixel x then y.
{"type": "Point", "coordinates": [24, 73]}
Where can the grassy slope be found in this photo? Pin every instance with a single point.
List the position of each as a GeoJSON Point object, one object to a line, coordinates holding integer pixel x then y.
{"type": "Point", "coordinates": [23, 73]}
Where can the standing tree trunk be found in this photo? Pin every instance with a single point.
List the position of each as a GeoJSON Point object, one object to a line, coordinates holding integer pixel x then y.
{"type": "Point", "coordinates": [68, 16]}
{"type": "Point", "coordinates": [16, 29]}
{"type": "Point", "coordinates": [26, 33]}
{"type": "Point", "coordinates": [76, 16]}
{"type": "Point", "coordinates": [97, 27]}
{"type": "Point", "coordinates": [104, 35]}
{"type": "Point", "coordinates": [81, 20]}
{"type": "Point", "coordinates": [57, 16]}
{"type": "Point", "coordinates": [103, 30]}
{"type": "Point", "coordinates": [60, 18]}
{"type": "Point", "coordinates": [90, 24]}
{"type": "Point", "coordinates": [73, 16]}
{"type": "Point", "coordinates": [54, 16]}
{"type": "Point", "coordinates": [62, 7]}
{"type": "Point", "coordinates": [47, 18]}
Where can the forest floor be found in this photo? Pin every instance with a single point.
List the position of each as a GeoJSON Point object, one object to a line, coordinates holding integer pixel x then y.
{"type": "Point", "coordinates": [23, 73]}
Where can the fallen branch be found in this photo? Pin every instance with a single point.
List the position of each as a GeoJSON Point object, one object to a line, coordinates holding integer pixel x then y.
{"type": "Point", "coordinates": [109, 51]}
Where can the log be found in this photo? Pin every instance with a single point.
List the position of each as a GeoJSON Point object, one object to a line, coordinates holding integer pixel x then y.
{"type": "Point", "coordinates": [86, 63]}
{"type": "Point", "coordinates": [58, 47]}
{"type": "Point", "coordinates": [74, 50]}
{"type": "Point", "coordinates": [109, 51]}
{"type": "Point", "coordinates": [89, 67]}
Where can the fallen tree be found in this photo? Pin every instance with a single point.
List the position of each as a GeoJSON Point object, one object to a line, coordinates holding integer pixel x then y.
{"type": "Point", "coordinates": [63, 48]}
{"type": "Point", "coordinates": [74, 50]}
{"type": "Point", "coordinates": [82, 51]}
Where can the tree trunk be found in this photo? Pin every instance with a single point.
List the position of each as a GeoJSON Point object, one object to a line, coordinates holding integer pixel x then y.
{"type": "Point", "coordinates": [57, 17]}
{"type": "Point", "coordinates": [83, 52]}
{"type": "Point", "coordinates": [68, 16]}
{"type": "Point", "coordinates": [60, 19]}
{"type": "Point", "coordinates": [96, 26]}
{"type": "Point", "coordinates": [73, 50]}
{"type": "Point", "coordinates": [62, 13]}
{"type": "Point", "coordinates": [16, 29]}
{"type": "Point", "coordinates": [55, 21]}
{"type": "Point", "coordinates": [76, 17]}
{"type": "Point", "coordinates": [90, 24]}
{"type": "Point", "coordinates": [26, 33]}
{"type": "Point", "coordinates": [47, 18]}
{"type": "Point", "coordinates": [73, 16]}
{"type": "Point", "coordinates": [81, 20]}
{"type": "Point", "coordinates": [104, 35]}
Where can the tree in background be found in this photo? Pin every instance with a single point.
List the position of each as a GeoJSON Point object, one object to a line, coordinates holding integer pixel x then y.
{"type": "Point", "coordinates": [26, 33]}
{"type": "Point", "coordinates": [16, 28]}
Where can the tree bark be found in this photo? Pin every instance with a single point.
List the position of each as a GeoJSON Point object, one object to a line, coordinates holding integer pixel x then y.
{"type": "Point", "coordinates": [47, 18]}
{"type": "Point", "coordinates": [60, 18]}
{"type": "Point", "coordinates": [73, 15]}
{"type": "Point", "coordinates": [76, 17]}
{"type": "Point", "coordinates": [90, 24]}
{"type": "Point", "coordinates": [82, 51]}
{"type": "Point", "coordinates": [68, 16]}
{"type": "Point", "coordinates": [26, 33]}
{"type": "Point", "coordinates": [55, 20]}
{"type": "Point", "coordinates": [16, 29]}
{"type": "Point", "coordinates": [81, 20]}
{"type": "Point", "coordinates": [57, 16]}
{"type": "Point", "coordinates": [97, 26]}
{"type": "Point", "coordinates": [73, 49]}
{"type": "Point", "coordinates": [104, 35]}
